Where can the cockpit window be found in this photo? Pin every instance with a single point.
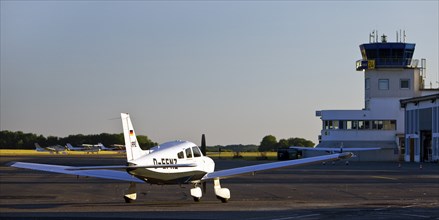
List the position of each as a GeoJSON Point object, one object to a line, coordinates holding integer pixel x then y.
{"type": "Point", "coordinates": [188, 153]}
{"type": "Point", "coordinates": [180, 155]}
{"type": "Point", "coordinates": [197, 152]}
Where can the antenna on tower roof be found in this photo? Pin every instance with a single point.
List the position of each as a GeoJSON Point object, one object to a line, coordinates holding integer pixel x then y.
{"type": "Point", "coordinates": [376, 36]}
{"type": "Point", "coordinates": [404, 36]}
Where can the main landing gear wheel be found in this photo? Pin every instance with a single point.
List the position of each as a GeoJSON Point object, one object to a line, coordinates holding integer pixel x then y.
{"type": "Point", "coordinates": [222, 194]}
{"type": "Point", "coordinates": [223, 200]}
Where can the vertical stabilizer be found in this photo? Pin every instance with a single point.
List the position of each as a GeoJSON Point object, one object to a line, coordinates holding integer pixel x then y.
{"type": "Point", "coordinates": [39, 148]}
{"type": "Point", "coordinates": [132, 146]}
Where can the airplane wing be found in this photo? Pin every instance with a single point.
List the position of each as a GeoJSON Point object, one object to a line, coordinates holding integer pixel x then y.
{"type": "Point", "coordinates": [313, 148]}
{"type": "Point", "coordinates": [105, 172]}
{"type": "Point", "coordinates": [222, 174]}
{"type": "Point", "coordinates": [361, 149]}
{"type": "Point", "coordinates": [336, 149]}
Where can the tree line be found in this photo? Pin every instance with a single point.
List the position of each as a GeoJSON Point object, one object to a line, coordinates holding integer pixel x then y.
{"type": "Point", "coordinates": [21, 140]}
{"type": "Point", "coordinates": [269, 143]}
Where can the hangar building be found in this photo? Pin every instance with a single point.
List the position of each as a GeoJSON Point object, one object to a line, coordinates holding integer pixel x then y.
{"type": "Point", "coordinates": [421, 128]}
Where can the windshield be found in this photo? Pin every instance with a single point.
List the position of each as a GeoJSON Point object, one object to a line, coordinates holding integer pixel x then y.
{"type": "Point", "coordinates": [197, 152]}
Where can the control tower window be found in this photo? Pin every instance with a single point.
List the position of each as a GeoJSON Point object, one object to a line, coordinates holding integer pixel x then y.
{"type": "Point", "coordinates": [404, 84]}
{"type": "Point", "coordinates": [383, 84]}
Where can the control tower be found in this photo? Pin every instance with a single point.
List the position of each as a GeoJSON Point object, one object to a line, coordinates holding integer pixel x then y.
{"type": "Point", "coordinates": [390, 74]}
{"type": "Point", "coordinates": [390, 70]}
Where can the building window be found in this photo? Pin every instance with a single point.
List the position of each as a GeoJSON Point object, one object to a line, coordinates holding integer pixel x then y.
{"type": "Point", "coordinates": [367, 83]}
{"type": "Point", "coordinates": [383, 84]}
{"type": "Point", "coordinates": [348, 125]}
{"type": "Point", "coordinates": [404, 84]}
{"type": "Point", "coordinates": [359, 125]}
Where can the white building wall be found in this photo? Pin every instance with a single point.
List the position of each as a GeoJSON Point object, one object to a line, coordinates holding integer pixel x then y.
{"type": "Point", "coordinates": [358, 135]}
{"type": "Point", "coordinates": [394, 76]}
{"type": "Point", "coordinates": [384, 109]}
{"type": "Point", "coordinates": [388, 108]}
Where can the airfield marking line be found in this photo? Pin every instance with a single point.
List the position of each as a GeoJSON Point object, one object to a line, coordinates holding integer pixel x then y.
{"type": "Point", "coordinates": [295, 217]}
{"type": "Point", "coordinates": [381, 209]}
{"type": "Point", "coordinates": [419, 216]}
{"type": "Point", "coordinates": [384, 177]}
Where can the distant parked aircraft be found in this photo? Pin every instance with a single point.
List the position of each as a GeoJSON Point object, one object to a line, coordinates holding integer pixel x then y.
{"type": "Point", "coordinates": [85, 149]}
{"type": "Point", "coordinates": [103, 147]}
{"type": "Point", "coordinates": [72, 148]}
{"type": "Point", "coordinates": [52, 149]}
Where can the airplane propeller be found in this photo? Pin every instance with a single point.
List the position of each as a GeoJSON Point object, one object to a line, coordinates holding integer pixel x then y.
{"type": "Point", "coordinates": [203, 145]}
{"type": "Point", "coordinates": [203, 151]}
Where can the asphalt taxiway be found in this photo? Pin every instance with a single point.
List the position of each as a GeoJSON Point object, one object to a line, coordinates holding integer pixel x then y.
{"type": "Point", "coordinates": [362, 190]}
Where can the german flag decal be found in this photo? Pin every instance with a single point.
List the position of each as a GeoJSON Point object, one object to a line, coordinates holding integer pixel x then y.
{"type": "Point", "coordinates": [131, 133]}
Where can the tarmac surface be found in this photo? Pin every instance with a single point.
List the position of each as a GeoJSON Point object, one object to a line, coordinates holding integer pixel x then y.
{"type": "Point", "coordinates": [362, 190]}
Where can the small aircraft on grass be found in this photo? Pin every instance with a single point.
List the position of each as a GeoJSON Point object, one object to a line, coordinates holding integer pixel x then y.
{"type": "Point", "coordinates": [175, 162]}
{"type": "Point", "coordinates": [114, 149]}
{"type": "Point", "coordinates": [85, 149]}
{"type": "Point", "coordinates": [52, 149]}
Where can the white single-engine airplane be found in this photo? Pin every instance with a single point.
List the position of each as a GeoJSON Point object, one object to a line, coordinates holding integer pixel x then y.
{"type": "Point", "coordinates": [85, 149]}
{"type": "Point", "coordinates": [52, 149]}
{"type": "Point", "coordinates": [72, 148]}
{"type": "Point", "coordinates": [175, 162]}
{"type": "Point", "coordinates": [114, 149]}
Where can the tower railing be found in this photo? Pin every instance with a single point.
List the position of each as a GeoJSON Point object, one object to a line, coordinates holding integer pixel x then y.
{"type": "Point", "coordinates": [387, 63]}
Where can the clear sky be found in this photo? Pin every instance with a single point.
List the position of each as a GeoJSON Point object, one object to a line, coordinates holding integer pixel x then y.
{"type": "Point", "coordinates": [236, 71]}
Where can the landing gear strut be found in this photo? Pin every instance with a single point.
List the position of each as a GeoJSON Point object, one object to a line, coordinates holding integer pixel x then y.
{"type": "Point", "coordinates": [130, 194]}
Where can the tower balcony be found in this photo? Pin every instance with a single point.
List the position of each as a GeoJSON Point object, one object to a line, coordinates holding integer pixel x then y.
{"type": "Point", "coordinates": [407, 63]}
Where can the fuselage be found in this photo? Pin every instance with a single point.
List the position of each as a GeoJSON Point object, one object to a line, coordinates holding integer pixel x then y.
{"type": "Point", "coordinates": [169, 153]}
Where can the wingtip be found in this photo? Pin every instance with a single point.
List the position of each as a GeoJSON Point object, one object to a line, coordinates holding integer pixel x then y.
{"type": "Point", "coordinates": [11, 164]}
{"type": "Point", "coordinates": [345, 155]}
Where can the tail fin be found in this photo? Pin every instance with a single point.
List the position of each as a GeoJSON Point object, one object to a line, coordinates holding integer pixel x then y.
{"type": "Point", "coordinates": [38, 147]}
{"type": "Point", "coordinates": [69, 146]}
{"type": "Point", "coordinates": [132, 146]}
{"type": "Point", "coordinates": [100, 146]}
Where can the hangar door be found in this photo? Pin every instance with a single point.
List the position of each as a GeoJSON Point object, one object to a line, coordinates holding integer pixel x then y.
{"type": "Point", "coordinates": [425, 131]}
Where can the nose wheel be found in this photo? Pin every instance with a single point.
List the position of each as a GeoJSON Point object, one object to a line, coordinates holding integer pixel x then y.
{"type": "Point", "coordinates": [196, 193]}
